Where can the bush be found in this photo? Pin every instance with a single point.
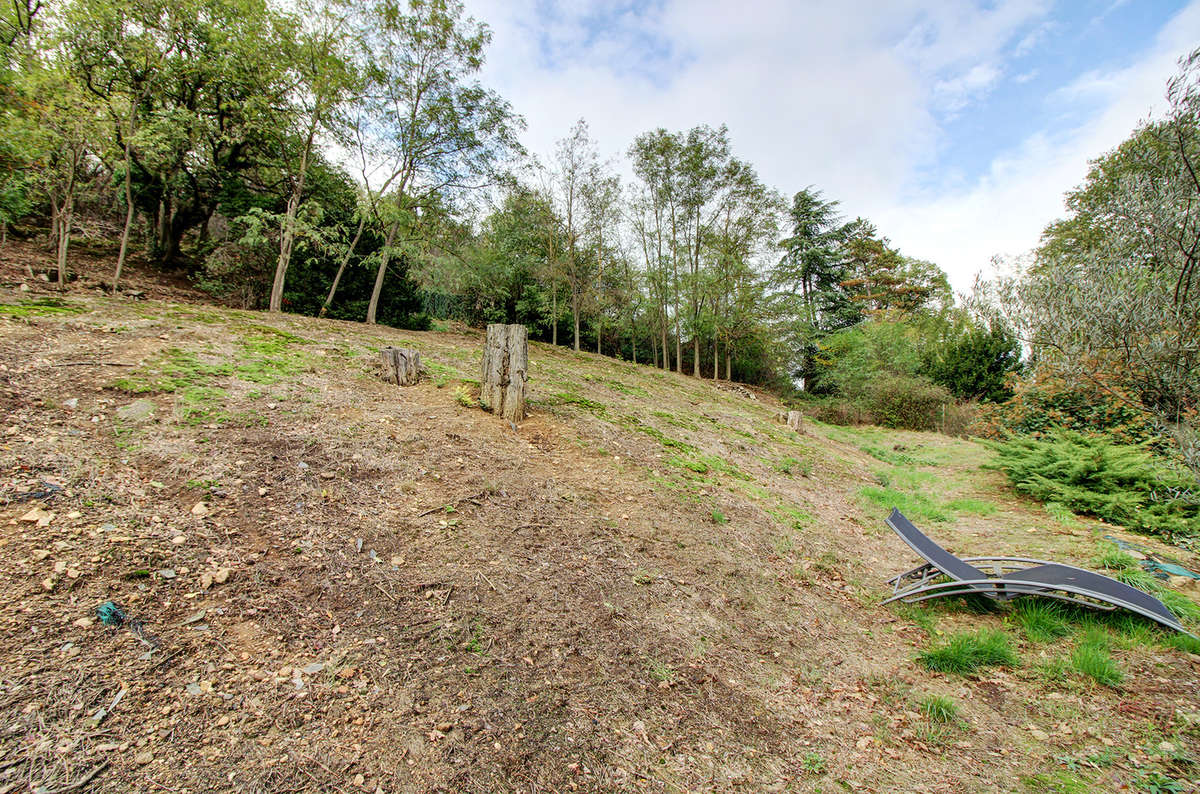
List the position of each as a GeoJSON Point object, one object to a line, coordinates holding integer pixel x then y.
{"type": "Point", "coordinates": [976, 365]}
{"type": "Point", "coordinates": [907, 402]}
{"type": "Point", "coordinates": [1122, 484]}
{"type": "Point", "coordinates": [967, 652]}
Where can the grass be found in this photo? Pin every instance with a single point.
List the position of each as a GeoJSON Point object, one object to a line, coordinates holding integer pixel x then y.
{"type": "Point", "coordinates": [792, 466]}
{"type": "Point", "coordinates": [917, 506]}
{"type": "Point", "coordinates": [966, 652]}
{"type": "Point", "coordinates": [1092, 658]}
{"type": "Point", "coordinates": [39, 307]}
{"type": "Point", "coordinates": [938, 708]}
{"type": "Point", "coordinates": [1040, 621]}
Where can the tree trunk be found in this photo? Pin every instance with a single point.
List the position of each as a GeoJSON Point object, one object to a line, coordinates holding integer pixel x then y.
{"type": "Point", "coordinates": [728, 364]}
{"type": "Point", "coordinates": [575, 314]}
{"type": "Point", "coordinates": [716, 361]}
{"type": "Point", "coordinates": [696, 357]}
{"type": "Point", "coordinates": [64, 238]}
{"type": "Point", "coordinates": [553, 311]}
{"type": "Point", "coordinates": [342, 267]}
{"type": "Point", "coordinates": [401, 365]}
{"type": "Point", "coordinates": [503, 371]}
{"type": "Point", "coordinates": [128, 211]}
{"type": "Point", "coordinates": [287, 237]}
{"type": "Point", "coordinates": [795, 420]}
{"type": "Point", "coordinates": [383, 263]}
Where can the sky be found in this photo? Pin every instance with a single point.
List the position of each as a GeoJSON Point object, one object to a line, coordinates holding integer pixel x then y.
{"type": "Point", "coordinates": [955, 126]}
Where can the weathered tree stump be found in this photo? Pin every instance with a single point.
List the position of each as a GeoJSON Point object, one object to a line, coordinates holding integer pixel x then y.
{"type": "Point", "coordinates": [401, 365]}
{"type": "Point", "coordinates": [794, 419]}
{"type": "Point", "coordinates": [503, 374]}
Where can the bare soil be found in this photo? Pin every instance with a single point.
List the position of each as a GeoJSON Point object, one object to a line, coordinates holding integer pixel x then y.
{"type": "Point", "coordinates": [650, 585]}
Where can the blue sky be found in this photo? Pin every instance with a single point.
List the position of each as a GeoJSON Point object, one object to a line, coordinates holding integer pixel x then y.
{"type": "Point", "coordinates": [955, 125]}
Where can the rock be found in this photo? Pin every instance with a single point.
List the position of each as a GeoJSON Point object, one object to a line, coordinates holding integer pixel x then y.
{"type": "Point", "coordinates": [39, 515]}
{"type": "Point", "coordinates": [327, 475]}
{"type": "Point", "coordinates": [313, 667]}
{"type": "Point", "coordinates": [206, 580]}
{"type": "Point", "coordinates": [40, 554]}
{"type": "Point", "coordinates": [200, 509]}
{"type": "Point", "coordinates": [74, 514]}
{"type": "Point", "coordinates": [1179, 581]}
{"type": "Point", "coordinates": [48, 583]}
{"type": "Point", "coordinates": [136, 411]}
{"type": "Point", "coordinates": [179, 540]}
{"type": "Point", "coordinates": [167, 573]}
{"type": "Point", "coordinates": [83, 623]}
{"type": "Point", "coordinates": [71, 404]}
{"type": "Point", "coordinates": [222, 575]}
{"type": "Point", "coordinates": [143, 758]}
{"type": "Point", "coordinates": [262, 491]}
{"type": "Point", "coordinates": [222, 721]}
{"type": "Point", "coordinates": [193, 689]}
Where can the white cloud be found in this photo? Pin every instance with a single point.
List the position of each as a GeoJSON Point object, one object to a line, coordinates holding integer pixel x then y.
{"type": "Point", "coordinates": [847, 97]}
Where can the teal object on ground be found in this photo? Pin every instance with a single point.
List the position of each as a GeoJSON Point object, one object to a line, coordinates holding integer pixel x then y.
{"type": "Point", "coordinates": [1158, 564]}
{"type": "Point", "coordinates": [110, 614]}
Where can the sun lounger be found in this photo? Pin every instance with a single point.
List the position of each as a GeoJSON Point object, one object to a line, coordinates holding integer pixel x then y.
{"type": "Point", "coordinates": [1005, 578]}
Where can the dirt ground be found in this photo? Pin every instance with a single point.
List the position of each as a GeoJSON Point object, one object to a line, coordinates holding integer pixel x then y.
{"type": "Point", "coordinates": [649, 585]}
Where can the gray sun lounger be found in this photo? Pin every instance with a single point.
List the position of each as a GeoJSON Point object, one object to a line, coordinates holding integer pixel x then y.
{"type": "Point", "coordinates": [1005, 578]}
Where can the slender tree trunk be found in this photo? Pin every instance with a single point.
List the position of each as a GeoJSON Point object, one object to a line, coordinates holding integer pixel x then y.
{"type": "Point", "coordinates": [362, 222]}
{"type": "Point", "coordinates": [3, 233]}
{"type": "Point", "coordinates": [64, 238]}
{"type": "Point", "coordinates": [379, 274]}
{"type": "Point", "coordinates": [696, 356]}
{"type": "Point", "coordinates": [600, 292]}
{"type": "Point", "coordinates": [575, 313]}
{"type": "Point", "coordinates": [716, 360]}
{"type": "Point", "coordinates": [128, 205]}
{"type": "Point", "coordinates": [654, 349]}
{"type": "Point", "coordinates": [728, 363]}
{"type": "Point", "coordinates": [287, 237]}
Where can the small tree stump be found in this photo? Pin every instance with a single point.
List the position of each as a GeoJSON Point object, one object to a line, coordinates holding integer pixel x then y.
{"type": "Point", "coordinates": [503, 373]}
{"type": "Point", "coordinates": [794, 418]}
{"type": "Point", "coordinates": [401, 365]}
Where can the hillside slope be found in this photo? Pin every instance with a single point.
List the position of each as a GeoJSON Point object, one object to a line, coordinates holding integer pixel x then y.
{"type": "Point", "coordinates": [651, 584]}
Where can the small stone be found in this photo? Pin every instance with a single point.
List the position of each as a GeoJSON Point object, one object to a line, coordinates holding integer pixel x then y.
{"type": "Point", "coordinates": [222, 721]}
{"type": "Point", "coordinates": [143, 758]}
{"type": "Point", "coordinates": [40, 554]}
{"type": "Point", "coordinates": [327, 475]}
{"type": "Point", "coordinates": [167, 573]}
{"type": "Point", "coordinates": [72, 573]}
{"type": "Point", "coordinates": [193, 689]}
{"type": "Point", "coordinates": [72, 403]}
{"type": "Point", "coordinates": [48, 583]}
{"type": "Point", "coordinates": [179, 540]}
{"type": "Point", "coordinates": [313, 667]}
{"type": "Point", "coordinates": [83, 623]}
{"type": "Point", "coordinates": [60, 566]}
{"type": "Point", "coordinates": [38, 515]}
{"type": "Point", "coordinates": [222, 575]}
{"type": "Point", "coordinates": [136, 411]}
{"type": "Point", "coordinates": [74, 514]}
{"type": "Point", "coordinates": [359, 780]}
{"type": "Point", "coordinates": [206, 580]}
{"type": "Point", "coordinates": [200, 509]}
{"type": "Point", "coordinates": [262, 491]}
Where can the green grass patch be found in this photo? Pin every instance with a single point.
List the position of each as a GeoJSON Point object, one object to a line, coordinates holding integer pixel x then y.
{"type": "Point", "coordinates": [1092, 657]}
{"type": "Point", "coordinates": [916, 506]}
{"type": "Point", "coordinates": [792, 466]}
{"type": "Point", "coordinates": [966, 652]}
{"type": "Point", "coordinates": [40, 307]}
{"type": "Point", "coordinates": [200, 405]}
{"type": "Point", "coordinates": [1061, 782]}
{"type": "Point", "coordinates": [170, 371]}
{"type": "Point", "coordinates": [938, 708]}
{"type": "Point", "coordinates": [971, 507]}
{"type": "Point", "coordinates": [597, 409]}
{"type": "Point", "coordinates": [1040, 620]}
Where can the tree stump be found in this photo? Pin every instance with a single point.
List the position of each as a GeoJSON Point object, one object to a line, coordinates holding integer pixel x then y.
{"type": "Point", "coordinates": [503, 373]}
{"type": "Point", "coordinates": [401, 365]}
{"type": "Point", "coordinates": [794, 419]}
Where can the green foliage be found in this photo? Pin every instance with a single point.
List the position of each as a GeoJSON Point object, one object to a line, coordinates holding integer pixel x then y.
{"type": "Point", "coordinates": [1040, 620]}
{"type": "Point", "coordinates": [918, 506]}
{"type": "Point", "coordinates": [938, 708]}
{"type": "Point", "coordinates": [1123, 484]}
{"type": "Point", "coordinates": [39, 307]}
{"type": "Point", "coordinates": [977, 364]}
{"type": "Point", "coordinates": [906, 402]}
{"type": "Point", "coordinates": [965, 653]}
{"type": "Point", "coordinates": [1092, 657]}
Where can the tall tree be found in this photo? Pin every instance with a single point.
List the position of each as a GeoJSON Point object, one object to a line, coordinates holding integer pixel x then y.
{"type": "Point", "coordinates": [438, 130]}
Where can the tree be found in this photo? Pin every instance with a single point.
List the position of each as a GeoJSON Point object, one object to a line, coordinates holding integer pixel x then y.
{"type": "Point", "coordinates": [322, 79]}
{"type": "Point", "coordinates": [601, 197]}
{"type": "Point", "coordinates": [976, 364]}
{"type": "Point", "coordinates": [655, 157]}
{"type": "Point", "coordinates": [436, 129]}
{"type": "Point", "coordinates": [1109, 298]}
{"type": "Point", "coordinates": [576, 164]}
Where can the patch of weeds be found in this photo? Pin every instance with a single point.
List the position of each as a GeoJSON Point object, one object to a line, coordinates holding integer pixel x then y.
{"type": "Point", "coordinates": [627, 388]}
{"type": "Point", "coordinates": [966, 652]}
{"type": "Point", "coordinates": [1113, 558]}
{"type": "Point", "coordinates": [660, 671]}
{"type": "Point", "coordinates": [790, 514]}
{"type": "Point", "coordinates": [1061, 513]}
{"type": "Point", "coordinates": [923, 616]}
{"type": "Point", "coordinates": [932, 733]}
{"type": "Point", "coordinates": [1040, 621]}
{"type": "Point", "coordinates": [703, 464]}
{"type": "Point", "coordinates": [971, 507]}
{"type": "Point", "coordinates": [1092, 657]}
{"type": "Point", "coordinates": [1181, 605]}
{"type": "Point", "coordinates": [266, 355]}
{"type": "Point", "coordinates": [915, 506]}
{"type": "Point", "coordinates": [643, 577]}
{"type": "Point", "coordinates": [792, 466]}
{"type": "Point", "coordinates": [719, 518]}
{"type": "Point", "coordinates": [813, 764]}
{"type": "Point", "coordinates": [1182, 642]}
{"type": "Point", "coordinates": [39, 307]}
{"type": "Point", "coordinates": [203, 405]}
{"type": "Point", "coordinates": [938, 708]}
{"type": "Point", "coordinates": [597, 409]}
{"type": "Point", "coordinates": [1155, 782]}
{"type": "Point", "coordinates": [1057, 783]}
{"type": "Point", "coordinates": [204, 485]}
{"type": "Point", "coordinates": [171, 371]}
{"type": "Point", "coordinates": [829, 562]}
{"type": "Point", "coordinates": [675, 421]}
{"type": "Point", "coordinates": [893, 457]}
{"type": "Point", "coordinates": [462, 396]}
